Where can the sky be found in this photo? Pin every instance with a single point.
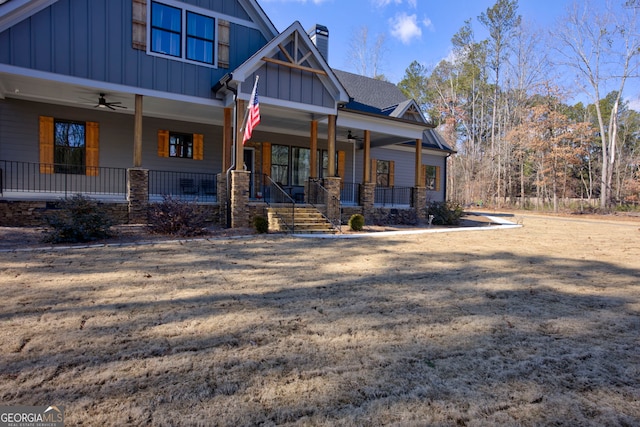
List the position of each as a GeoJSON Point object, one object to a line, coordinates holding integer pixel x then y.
{"type": "Point", "coordinates": [418, 30]}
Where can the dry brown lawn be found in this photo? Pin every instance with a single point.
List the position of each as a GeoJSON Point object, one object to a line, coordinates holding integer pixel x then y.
{"type": "Point", "coordinates": [532, 326]}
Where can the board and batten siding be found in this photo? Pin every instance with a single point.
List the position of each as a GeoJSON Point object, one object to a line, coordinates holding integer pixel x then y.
{"type": "Point", "coordinates": [92, 39]}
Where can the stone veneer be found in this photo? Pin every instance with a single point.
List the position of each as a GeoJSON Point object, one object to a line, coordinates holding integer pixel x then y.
{"type": "Point", "coordinates": [138, 195]}
{"type": "Point", "coordinates": [240, 216]}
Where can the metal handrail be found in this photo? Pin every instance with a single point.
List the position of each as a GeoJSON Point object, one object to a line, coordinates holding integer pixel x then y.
{"type": "Point", "coordinates": [316, 190]}
{"type": "Point", "coordinates": [273, 193]}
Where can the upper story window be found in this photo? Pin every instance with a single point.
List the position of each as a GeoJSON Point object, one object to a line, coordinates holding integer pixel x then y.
{"type": "Point", "coordinates": [200, 38]}
{"type": "Point", "coordinates": [182, 33]}
{"type": "Point", "coordinates": [166, 29]}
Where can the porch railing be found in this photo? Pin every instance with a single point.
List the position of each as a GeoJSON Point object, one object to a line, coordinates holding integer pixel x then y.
{"type": "Point", "coordinates": [350, 193]}
{"type": "Point", "coordinates": [196, 186]}
{"type": "Point", "coordinates": [275, 196]}
{"type": "Point", "coordinates": [60, 181]}
{"type": "Point", "coordinates": [318, 197]}
{"type": "Point", "coordinates": [393, 196]}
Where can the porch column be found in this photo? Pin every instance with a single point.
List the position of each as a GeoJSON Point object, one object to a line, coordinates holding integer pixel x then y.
{"type": "Point", "coordinates": [332, 184]}
{"type": "Point", "coordinates": [227, 139]}
{"type": "Point", "coordinates": [367, 200]}
{"type": "Point", "coordinates": [331, 144]}
{"type": "Point", "coordinates": [366, 158]}
{"type": "Point", "coordinates": [138, 195]}
{"type": "Point", "coordinates": [419, 196]}
{"type": "Point", "coordinates": [223, 198]}
{"type": "Point", "coordinates": [313, 145]}
{"type": "Point", "coordinates": [418, 173]}
{"type": "Point", "coordinates": [137, 133]}
{"type": "Point", "coordinates": [241, 106]}
{"type": "Point", "coordinates": [240, 198]}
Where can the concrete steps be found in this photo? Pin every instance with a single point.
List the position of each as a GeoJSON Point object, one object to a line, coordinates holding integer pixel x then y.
{"type": "Point", "coordinates": [305, 220]}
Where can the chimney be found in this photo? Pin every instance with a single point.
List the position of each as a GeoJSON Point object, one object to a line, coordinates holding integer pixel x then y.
{"type": "Point", "coordinates": [320, 37]}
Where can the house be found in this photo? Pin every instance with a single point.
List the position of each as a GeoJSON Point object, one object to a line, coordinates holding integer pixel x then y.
{"type": "Point", "coordinates": [128, 101]}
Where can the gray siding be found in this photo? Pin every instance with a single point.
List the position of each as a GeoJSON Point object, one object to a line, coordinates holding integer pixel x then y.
{"type": "Point", "coordinates": [19, 136]}
{"type": "Point", "coordinates": [92, 39]}
{"type": "Point", "coordinates": [405, 168]}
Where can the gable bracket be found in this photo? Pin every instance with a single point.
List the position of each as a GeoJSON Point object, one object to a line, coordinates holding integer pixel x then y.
{"type": "Point", "coordinates": [294, 65]}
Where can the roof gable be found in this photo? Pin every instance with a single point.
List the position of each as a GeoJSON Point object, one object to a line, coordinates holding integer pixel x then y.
{"type": "Point", "coordinates": [14, 11]}
{"type": "Point", "coordinates": [293, 51]}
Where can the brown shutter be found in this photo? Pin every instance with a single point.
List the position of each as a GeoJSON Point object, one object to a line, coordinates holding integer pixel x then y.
{"type": "Point", "coordinates": [392, 169]}
{"type": "Point", "coordinates": [139, 24]}
{"type": "Point", "coordinates": [198, 146]}
{"type": "Point", "coordinates": [46, 144]}
{"type": "Point", "coordinates": [92, 148]}
{"type": "Point", "coordinates": [437, 178]}
{"type": "Point", "coordinates": [163, 143]}
{"type": "Point", "coordinates": [374, 171]}
{"type": "Point", "coordinates": [341, 163]}
{"type": "Point", "coordinates": [266, 158]}
{"type": "Point", "coordinates": [224, 28]}
{"type": "Point", "coordinates": [423, 178]}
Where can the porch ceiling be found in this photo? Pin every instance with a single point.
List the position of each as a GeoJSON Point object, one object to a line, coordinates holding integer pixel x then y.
{"type": "Point", "coordinates": [84, 94]}
{"type": "Point", "coordinates": [275, 119]}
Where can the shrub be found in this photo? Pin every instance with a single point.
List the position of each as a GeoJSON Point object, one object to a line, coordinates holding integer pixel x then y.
{"type": "Point", "coordinates": [79, 219]}
{"type": "Point", "coordinates": [445, 213]}
{"type": "Point", "coordinates": [176, 217]}
{"type": "Point", "coordinates": [261, 224]}
{"type": "Point", "coordinates": [356, 222]}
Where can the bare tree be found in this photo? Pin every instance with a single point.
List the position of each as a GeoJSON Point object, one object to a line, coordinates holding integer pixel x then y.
{"type": "Point", "coordinates": [603, 47]}
{"type": "Point", "coordinates": [367, 56]}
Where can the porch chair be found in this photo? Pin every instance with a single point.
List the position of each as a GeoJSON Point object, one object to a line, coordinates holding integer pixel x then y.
{"type": "Point", "coordinates": [187, 186]}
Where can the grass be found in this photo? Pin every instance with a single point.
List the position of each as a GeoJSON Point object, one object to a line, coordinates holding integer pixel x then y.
{"type": "Point", "coordinates": [531, 326]}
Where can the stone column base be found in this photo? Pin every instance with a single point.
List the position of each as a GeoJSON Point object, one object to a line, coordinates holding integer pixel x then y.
{"type": "Point", "coordinates": [138, 195]}
{"type": "Point", "coordinates": [240, 216]}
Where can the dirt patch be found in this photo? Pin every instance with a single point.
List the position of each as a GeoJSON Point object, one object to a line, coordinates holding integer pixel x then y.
{"type": "Point", "coordinates": [530, 326]}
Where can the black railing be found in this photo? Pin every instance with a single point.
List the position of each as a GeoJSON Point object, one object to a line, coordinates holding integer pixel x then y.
{"type": "Point", "coordinates": [318, 197]}
{"type": "Point", "coordinates": [277, 197]}
{"type": "Point", "coordinates": [393, 196]}
{"type": "Point", "coordinates": [201, 187]}
{"type": "Point", "coordinates": [61, 181]}
{"type": "Point", "coordinates": [350, 193]}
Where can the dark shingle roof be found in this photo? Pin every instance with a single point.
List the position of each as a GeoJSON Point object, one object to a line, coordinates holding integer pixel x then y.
{"type": "Point", "coordinates": [370, 95]}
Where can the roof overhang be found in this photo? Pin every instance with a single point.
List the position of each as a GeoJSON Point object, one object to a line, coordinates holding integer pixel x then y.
{"type": "Point", "coordinates": [38, 86]}
{"type": "Point", "coordinates": [14, 11]}
{"type": "Point", "coordinates": [384, 130]}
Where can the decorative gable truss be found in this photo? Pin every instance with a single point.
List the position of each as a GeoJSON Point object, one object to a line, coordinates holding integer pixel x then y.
{"type": "Point", "coordinates": [298, 62]}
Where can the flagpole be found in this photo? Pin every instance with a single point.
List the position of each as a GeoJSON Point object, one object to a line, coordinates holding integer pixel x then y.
{"type": "Point", "coordinates": [246, 113]}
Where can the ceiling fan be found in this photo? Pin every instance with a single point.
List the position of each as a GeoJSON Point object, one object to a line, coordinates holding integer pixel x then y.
{"type": "Point", "coordinates": [102, 103]}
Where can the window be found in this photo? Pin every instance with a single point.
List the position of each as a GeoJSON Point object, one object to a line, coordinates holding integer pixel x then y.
{"type": "Point", "coordinates": [431, 177]}
{"type": "Point", "coordinates": [300, 160]}
{"type": "Point", "coordinates": [166, 29]}
{"type": "Point", "coordinates": [280, 164]}
{"type": "Point", "coordinates": [180, 145]}
{"type": "Point", "coordinates": [199, 38]}
{"type": "Point", "coordinates": [69, 147]}
{"type": "Point", "coordinates": [168, 35]}
{"type": "Point", "coordinates": [383, 170]}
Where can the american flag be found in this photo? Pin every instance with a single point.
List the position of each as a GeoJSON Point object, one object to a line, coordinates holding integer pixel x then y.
{"type": "Point", "coordinates": [253, 119]}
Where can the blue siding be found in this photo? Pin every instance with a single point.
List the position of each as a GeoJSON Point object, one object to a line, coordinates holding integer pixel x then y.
{"type": "Point", "coordinates": [92, 39]}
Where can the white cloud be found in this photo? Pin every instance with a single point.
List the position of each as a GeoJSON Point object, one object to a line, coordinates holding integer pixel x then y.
{"type": "Point", "coordinates": [426, 22]}
{"type": "Point", "coordinates": [405, 27]}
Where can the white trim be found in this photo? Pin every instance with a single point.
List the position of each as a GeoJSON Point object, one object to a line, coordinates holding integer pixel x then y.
{"type": "Point", "coordinates": [353, 120]}
{"type": "Point", "coordinates": [15, 11]}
